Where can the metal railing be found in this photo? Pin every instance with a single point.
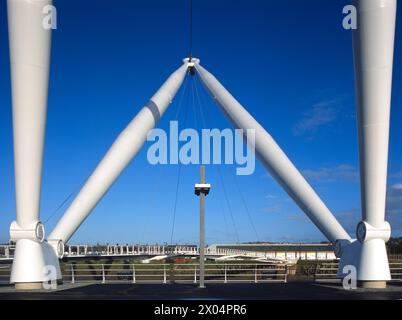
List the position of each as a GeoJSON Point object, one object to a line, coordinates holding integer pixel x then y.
{"type": "Point", "coordinates": [396, 270]}
{"type": "Point", "coordinates": [172, 273]}
{"type": "Point", "coordinates": [164, 273]}
{"type": "Point", "coordinates": [5, 272]}
{"type": "Point", "coordinates": [328, 271]}
{"type": "Point", "coordinates": [187, 273]}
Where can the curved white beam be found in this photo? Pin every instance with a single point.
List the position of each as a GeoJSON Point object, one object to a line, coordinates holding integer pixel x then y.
{"type": "Point", "coordinates": [120, 154]}
{"type": "Point", "coordinates": [275, 160]}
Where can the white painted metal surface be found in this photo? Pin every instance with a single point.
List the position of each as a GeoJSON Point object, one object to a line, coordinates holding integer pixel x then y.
{"type": "Point", "coordinates": [29, 58]}
{"type": "Point", "coordinates": [120, 154]}
{"type": "Point", "coordinates": [275, 160]}
{"type": "Point", "coordinates": [373, 44]}
{"type": "Point", "coordinates": [30, 46]}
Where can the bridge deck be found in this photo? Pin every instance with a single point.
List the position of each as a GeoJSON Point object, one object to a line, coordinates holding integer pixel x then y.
{"type": "Point", "coordinates": [272, 291]}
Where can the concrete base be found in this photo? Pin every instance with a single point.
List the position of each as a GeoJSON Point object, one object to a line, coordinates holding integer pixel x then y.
{"type": "Point", "coordinates": [28, 286]}
{"type": "Point", "coordinates": [372, 284]}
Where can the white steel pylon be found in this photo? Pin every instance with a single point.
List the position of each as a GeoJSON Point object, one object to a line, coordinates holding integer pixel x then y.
{"type": "Point", "coordinates": [29, 58]}
{"type": "Point", "coordinates": [373, 44]}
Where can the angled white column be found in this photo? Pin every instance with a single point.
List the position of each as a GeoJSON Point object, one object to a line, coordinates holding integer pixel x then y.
{"type": "Point", "coordinates": [30, 44]}
{"type": "Point", "coordinates": [274, 159]}
{"type": "Point", "coordinates": [120, 154]}
{"type": "Point", "coordinates": [373, 44]}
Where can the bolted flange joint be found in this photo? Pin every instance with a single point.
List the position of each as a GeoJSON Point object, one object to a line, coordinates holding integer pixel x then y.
{"type": "Point", "coordinates": [339, 246]}
{"type": "Point", "coordinates": [193, 61]}
{"type": "Point", "coordinates": [57, 246]}
{"type": "Point", "coordinates": [35, 232]}
{"type": "Point", "coordinates": [366, 231]}
{"type": "Point", "coordinates": [191, 64]}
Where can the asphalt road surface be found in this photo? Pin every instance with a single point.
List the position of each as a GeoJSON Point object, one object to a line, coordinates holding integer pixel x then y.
{"type": "Point", "coordinates": [233, 291]}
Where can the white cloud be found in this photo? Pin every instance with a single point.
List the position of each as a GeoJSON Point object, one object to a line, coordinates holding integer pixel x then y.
{"type": "Point", "coordinates": [397, 186]}
{"type": "Point", "coordinates": [394, 198]}
{"type": "Point", "coordinates": [277, 204]}
{"type": "Point", "coordinates": [393, 212]}
{"type": "Point", "coordinates": [274, 208]}
{"type": "Point", "coordinates": [395, 175]}
{"type": "Point", "coordinates": [349, 219]}
{"type": "Point", "coordinates": [394, 206]}
{"type": "Point", "coordinates": [343, 172]}
{"type": "Point", "coordinates": [319, 115]}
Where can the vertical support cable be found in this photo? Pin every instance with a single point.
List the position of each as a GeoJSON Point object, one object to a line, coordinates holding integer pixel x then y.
{"type": "Point", "coordinates": [191, 31]}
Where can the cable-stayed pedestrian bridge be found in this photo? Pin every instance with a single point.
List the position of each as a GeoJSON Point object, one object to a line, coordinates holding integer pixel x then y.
{"type": "Point", "coordinates": [365, 251]}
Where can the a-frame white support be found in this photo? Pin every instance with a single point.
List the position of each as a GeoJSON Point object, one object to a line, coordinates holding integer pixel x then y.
{"type": "Point", "coordinates": [133, 137]}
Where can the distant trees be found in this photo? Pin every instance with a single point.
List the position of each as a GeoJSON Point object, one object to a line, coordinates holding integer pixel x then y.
{"type": "Point", "coordinates": [394, 246]}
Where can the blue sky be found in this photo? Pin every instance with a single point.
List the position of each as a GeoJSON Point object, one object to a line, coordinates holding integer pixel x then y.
{"type": "Point", "coordinates": [288, 62]}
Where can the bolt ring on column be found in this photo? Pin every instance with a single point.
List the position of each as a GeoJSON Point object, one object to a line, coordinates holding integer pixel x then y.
{"type": "Point", "coordinates": [366, 232]}
{"type": "Point", "coordinates": [35, 232]}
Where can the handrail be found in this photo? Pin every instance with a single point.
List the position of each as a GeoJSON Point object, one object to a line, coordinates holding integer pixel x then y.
{"type": "Point", "coordinates": [325, 272]}
{"type": "Point", "coordinates": [164, 273]}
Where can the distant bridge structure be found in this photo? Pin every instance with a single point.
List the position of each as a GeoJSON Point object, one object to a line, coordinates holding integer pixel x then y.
{"type": "Point", "coordinates": [277, 253]}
